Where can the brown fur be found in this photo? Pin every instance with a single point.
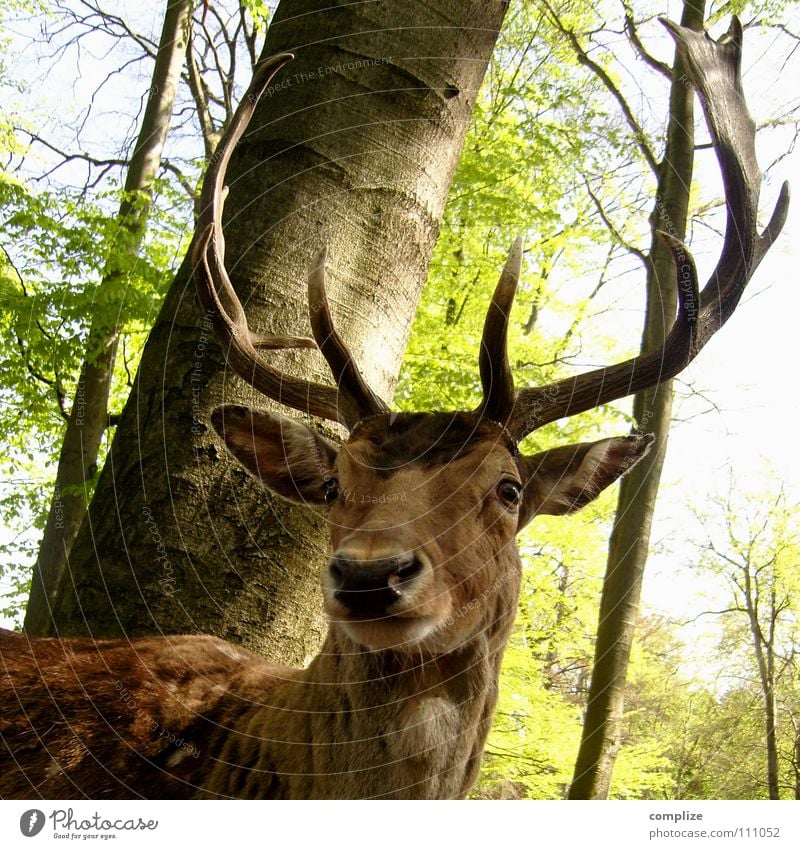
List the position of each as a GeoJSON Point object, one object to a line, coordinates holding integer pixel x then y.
{"type": "Point", "coordinates": [397, 706]}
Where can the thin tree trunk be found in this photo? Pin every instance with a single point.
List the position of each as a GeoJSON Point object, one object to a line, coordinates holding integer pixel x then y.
{"type": "Point", "coordinates": [88, 419]}
{"type": "Point", "coordinates": [354, 144]}
{"type": "Point", "coordinates": [796, 760]}
{"type": "Point", "coordinates": [630, 537]}
{"type": "Point", "coordinates": [765, 659]}
{"type": "Point", "coordinates": [771, 727]}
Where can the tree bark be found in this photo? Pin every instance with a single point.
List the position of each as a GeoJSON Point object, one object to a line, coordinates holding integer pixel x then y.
{"type": "Point", "coordinates": [796, 760]}
{"type": "Point", "coordinates": [770, 723]}
{"type": "Point", "coordinates": [764, 650]}
{"type": "Point", "coordinates": [88, 419]}
{"type": "Point", "coordinates": [354, 144]}
{"type": "Point", "coordinates": [630, 537]}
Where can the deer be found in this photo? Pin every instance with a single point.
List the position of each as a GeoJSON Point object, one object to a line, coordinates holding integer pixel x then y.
{"type": "Point", "coordinates": [423, 508]}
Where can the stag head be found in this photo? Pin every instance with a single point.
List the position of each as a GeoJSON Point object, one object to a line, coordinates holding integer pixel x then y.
{"type": "Point", "coordinates": [424, 507]}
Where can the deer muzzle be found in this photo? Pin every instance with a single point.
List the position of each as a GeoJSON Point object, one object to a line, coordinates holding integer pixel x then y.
{"type": "Point", "coordinates": [371, 588]}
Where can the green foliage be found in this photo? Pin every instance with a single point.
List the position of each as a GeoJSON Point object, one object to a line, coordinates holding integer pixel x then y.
{"type": "Point", "coordinates": [519, 173]}
{"type": "Point", "coordinates": [767, 12]}
{"type": "Point", "coordinates": [536, 731]}
{"type": "Point", "coordinates": [260, 12]}
{"type": "Point", "coordinates": [70, 269]}
{"type": "Point", "coordinates": [753, 547]}
{"type": "Point", "coordinates": [56, 248]}
{"type": "Point", "coordinates": [531, 749]}
{"type": "Point", "coordinates": [662, 723]}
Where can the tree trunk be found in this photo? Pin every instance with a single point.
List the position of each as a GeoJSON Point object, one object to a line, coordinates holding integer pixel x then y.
{"type": "Point", "coordinates": [764, 651]}
{"type": "Point", "coordinates": [354, 144]}
{"type": "Point", "coordinates": [796, 761]}
{"type": "Point", "coordinates": [630, 537]}
{"type": "Point", "coordinates": [771, 727]}
{"type": "Point", "coordinates": [88, 419]}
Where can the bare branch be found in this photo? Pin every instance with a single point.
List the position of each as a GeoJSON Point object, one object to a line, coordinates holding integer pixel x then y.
{"type": "Point", "coordinates": [104, 20]}
{"type": "Point", "coordinates": [639, 135]}
{"type": "Point", "coordinates": [615, 234]}
{"type": "Point", "coordinates": [104, 164]}
{"type": "Point", "coordinates": [633, 36]}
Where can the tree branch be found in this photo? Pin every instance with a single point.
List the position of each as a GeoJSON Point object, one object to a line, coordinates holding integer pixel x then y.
{"type": "Point", "coordinates": [641, 52]}
{"type": "Point", "coordinates": [615, 234]}
{"type": "Point", "coordinates": [200, 96]}
{"type": "Point", "coordinates": [584, 59]}
{"type": "Point", "coordinates": [184, 181]}
{"type": "Point", "coordinates": [105, 165]}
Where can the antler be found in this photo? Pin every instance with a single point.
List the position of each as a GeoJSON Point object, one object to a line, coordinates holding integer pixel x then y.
{"type": "Point", "coordinates": [352, 400]}
{"type": "Point", "coordinates": [497, 379]}
{"type": "Point", "coordinates": [715, 68]}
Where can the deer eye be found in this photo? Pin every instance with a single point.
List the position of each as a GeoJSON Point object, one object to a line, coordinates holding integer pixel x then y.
{"type": "Point", "coordinates": [330, 490]}
{"type": "Point", "coordinates": [509, 491]}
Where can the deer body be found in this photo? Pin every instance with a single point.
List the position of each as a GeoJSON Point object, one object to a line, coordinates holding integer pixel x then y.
{"type": "Point", "coordinates": [395, 731]}
{"type": "Point", "coordinates": [422, 585]}
{"type": "Point", "coordinates": [113, 719]}
{"type": "Point", "coordinates": [228, 725]}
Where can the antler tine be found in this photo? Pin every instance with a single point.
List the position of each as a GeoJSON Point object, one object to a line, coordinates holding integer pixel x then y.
{"type": "Point", "coordinates": [222, 305]}
{"type": "Point", "coordinates": [538, 406]}
{"type": "Point", "coordinates": [715, 69]}
{"type": "Point", "coordinates": [356, 393]}
{"type": "Point", "coordinates": [497, 379]}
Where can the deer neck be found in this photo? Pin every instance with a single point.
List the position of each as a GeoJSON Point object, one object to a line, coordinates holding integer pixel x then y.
{"type": "Point", "coordinates": [368, 724]}
{"type": "Point", "coordinates": [419, 723]}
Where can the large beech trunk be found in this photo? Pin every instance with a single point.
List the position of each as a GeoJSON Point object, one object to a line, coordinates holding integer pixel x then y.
{"type": "Point", "coordinates": [354, 144]}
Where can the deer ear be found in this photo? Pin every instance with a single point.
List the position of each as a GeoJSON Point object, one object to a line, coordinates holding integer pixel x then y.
{"type": "Point", "coordinates": [286, 456]}
{"type": "Point", "coordinates": [562, 480]}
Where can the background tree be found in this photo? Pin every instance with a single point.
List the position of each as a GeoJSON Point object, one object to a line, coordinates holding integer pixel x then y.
{"type": "Point", "coordinates": [756, 554]}
{"type": "Point", "coordinates": [88, 416]}
{"type": "Point", "coordinates": [652, 411]}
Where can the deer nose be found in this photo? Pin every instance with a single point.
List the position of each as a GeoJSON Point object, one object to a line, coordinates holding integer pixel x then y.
{"type": "Point", "coordinates": [370, 587]}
